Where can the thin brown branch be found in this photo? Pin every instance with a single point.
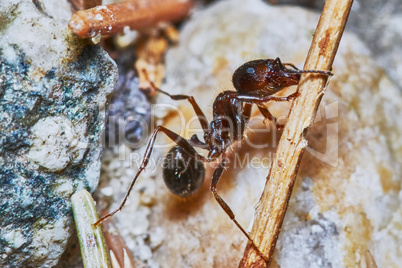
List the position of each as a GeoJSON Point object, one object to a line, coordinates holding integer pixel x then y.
{"type": "Point", "coordinates": [85, 4]}
{"type": "Point", "coordinates": [136, 14]}
{"type": "Point", "coordinates": [278, 189]}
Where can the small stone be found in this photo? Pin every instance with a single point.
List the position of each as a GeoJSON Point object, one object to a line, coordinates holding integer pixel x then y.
{"type": "Point", "coordinates": [96, 39]}
{"type": "Point", "coordinates": [107, 191]}
{"type": "Point", "coordinates": [156, 237]}
{"type": "Point", "coordinates": [145, 252]}
{"type": "Point", "coordinates": [127, 38]}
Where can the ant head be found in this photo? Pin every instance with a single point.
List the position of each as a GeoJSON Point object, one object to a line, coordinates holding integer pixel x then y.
{"type": "Point", "coordinates": [263, 77]}
{"type": "Point", "coordinates": [249, 76]}
{"type": "Point", "coordinates": [183, 173]}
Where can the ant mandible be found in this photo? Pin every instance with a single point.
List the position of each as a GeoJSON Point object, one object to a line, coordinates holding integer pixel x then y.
{"type": "Point", "coordinates": [255, 83]}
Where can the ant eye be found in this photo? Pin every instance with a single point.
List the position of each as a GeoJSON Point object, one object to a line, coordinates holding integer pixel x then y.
{"type": "Point", "coordinates": [250, 70]}
{"type": "Point", "coordinates": [183, 174]}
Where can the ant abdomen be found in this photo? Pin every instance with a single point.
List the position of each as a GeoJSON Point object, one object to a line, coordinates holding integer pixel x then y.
{"type": "Point", "coordinates": [183, 174]}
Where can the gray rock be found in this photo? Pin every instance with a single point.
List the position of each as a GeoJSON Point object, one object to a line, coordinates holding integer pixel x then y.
{"type": "Point", "coordinates": [53, 90]}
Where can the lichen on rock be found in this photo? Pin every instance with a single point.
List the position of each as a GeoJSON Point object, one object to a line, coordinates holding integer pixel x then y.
{"type": "Point", "coordinates": [53, 92]}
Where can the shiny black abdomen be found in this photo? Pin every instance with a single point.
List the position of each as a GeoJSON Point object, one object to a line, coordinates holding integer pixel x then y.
{"type": "Point", "coordinates": [183, 174]}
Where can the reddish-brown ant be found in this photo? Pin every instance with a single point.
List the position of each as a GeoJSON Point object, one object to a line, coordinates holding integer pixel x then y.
{"type": "Point", "coordinates": [255, 83]}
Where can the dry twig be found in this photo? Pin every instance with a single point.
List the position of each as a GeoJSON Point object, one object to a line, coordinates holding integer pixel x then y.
{"type": "Point", "coordinates": [85, 4]}
{"type": "Point", "coordinates": [278, 189]}
{"type": "Point", "coordinates": [136, 14]}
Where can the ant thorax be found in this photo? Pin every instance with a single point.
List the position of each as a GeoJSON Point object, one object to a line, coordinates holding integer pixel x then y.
{"type": "Point", "coordinates": [227, 125]}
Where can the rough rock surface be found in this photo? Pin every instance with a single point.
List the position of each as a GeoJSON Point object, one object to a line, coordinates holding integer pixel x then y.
{"type": "Point", "coordinates": [53, 90]}
{"type": "Point", "coordinates": [346, 202]}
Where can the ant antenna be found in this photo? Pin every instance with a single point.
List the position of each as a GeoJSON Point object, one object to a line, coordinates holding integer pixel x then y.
{"type": "Point", "coordinates": [311, 71]}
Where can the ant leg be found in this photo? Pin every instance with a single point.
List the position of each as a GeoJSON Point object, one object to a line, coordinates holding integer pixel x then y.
{"type": "Point", "coordinates": [195, 141]}
{"type": "Point", "coordinates": [215, 178]}
{"type": "Point", "coordinates": [201, 117]}
{"type": "Point", "coordinates": [200, 114]}
{"type": "Point", "coordinates": [247, 112]}
{"type": "Point", "coordinates": [182, 142]}
{"type": "Point", "coordinates": [267, 114]}
{"type": "Point", "coordinates": [261, 100]}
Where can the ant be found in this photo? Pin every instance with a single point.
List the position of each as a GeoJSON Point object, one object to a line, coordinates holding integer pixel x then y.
{"type": "Point", "coordinates": [255, 83]}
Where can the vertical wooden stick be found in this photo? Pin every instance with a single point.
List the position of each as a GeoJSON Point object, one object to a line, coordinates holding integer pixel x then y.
{"type": "Point", "coordinates": [278, 189]}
